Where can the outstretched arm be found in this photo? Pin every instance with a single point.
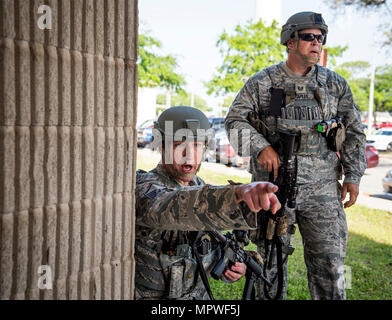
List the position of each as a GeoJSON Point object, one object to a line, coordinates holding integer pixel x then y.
{"type": "Point", "coordinates": [203, 207]}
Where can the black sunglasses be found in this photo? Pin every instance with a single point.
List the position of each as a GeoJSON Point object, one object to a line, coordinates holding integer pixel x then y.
{"type": "Point", "coordinates": [311, 36]}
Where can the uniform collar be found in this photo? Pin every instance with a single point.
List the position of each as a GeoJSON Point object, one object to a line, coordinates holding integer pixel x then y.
{"type": "Point", "coordinates": [291, 74]}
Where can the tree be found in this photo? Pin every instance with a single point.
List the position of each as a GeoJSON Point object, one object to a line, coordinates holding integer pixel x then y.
{"type": "Point", "coordinates": [357, 75]}
{"type": "Point", "coordinates": [227, 101]}
{"type": "Point", "coordinates": [354, 69]}
{"type": "Point", "coordinates": [333, 53]}
{"type": "Point", "coordinates": [156, 70]}
{"type": "Point", "coordinates": [383, 88]}
{"type": "Point", "coordinates": [382, 6]}
{"type": "Point", "coordinates": [248, 50]}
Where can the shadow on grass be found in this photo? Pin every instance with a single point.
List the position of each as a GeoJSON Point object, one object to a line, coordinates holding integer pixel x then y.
{"type": "Point", "coordinates": [368, 272]}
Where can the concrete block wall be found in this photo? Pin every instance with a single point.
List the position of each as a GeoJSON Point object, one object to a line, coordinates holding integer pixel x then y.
{"type": "Point", "coordinates": [68, 100]}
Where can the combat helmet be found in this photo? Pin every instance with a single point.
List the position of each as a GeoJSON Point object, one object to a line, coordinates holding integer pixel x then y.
{"type": "Point", "coordinates": [300, 21]}
{"type": "Point", "coordinates": [181, 122]}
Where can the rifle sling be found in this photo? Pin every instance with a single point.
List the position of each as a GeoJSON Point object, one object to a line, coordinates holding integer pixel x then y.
{"type": "Point", "coordinates": [249, 288]}
{"type": "Point", "coordinates": [279, 260]}
{"type": "Point", "coordinates": [201, 270]}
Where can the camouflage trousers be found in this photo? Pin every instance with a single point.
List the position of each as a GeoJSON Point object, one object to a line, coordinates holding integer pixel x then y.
{"type": "Point", "coordinates": [322, 223]}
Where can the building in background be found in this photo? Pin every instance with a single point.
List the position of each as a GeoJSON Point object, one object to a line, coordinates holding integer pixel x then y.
{"type": "Point", "coordinates": [147, 104]}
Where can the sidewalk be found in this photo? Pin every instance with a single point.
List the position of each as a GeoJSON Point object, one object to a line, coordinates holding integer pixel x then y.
{"type": "Point", "coordinates": [376, 201]}
{"type": "Point", "coordinates": [371, 193]}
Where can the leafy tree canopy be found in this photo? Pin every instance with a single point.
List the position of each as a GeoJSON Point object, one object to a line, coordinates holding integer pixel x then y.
{"type": "Point", "coordinates": [383, 88]}
{"type": "Point", "coordinates": [333, 53]}
{"type": "Point", "coordinates": [357, 75]}
{"type": "Point", "coordinates": [156, 70]}
{"type": "Point", "coordinates": [247, 50]}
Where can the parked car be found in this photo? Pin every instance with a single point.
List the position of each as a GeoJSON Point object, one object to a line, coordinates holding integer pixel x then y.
{"type": "Point", "coordinates": [224, 152]}
{"type": "Point", "coordinates": [387, 124]}
{"type": "Point", "coordinates": [375, 126]}
{"type": "Point", "coordinates": [387, 182]}
{"type": "Point", "coordinates": [382, 139]}
{"type": "Point", "coordinates": [217, 123]}
{"type": "Point", "coordinates": [372, 157]}
{"type": "Point", "coordinates": [144, 133]}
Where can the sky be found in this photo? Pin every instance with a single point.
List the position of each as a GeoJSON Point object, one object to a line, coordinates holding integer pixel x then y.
{"type": "Point", "coordinates": [189, 30]}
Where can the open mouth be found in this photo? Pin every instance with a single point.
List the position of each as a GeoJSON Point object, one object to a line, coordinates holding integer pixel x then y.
{"type": "Point", "coordinates": [187, 168]}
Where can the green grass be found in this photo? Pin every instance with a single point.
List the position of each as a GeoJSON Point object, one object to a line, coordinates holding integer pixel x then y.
{"type": "Point", "coordinates": [369, 253]}
{"type": "Point", "coordinates": [217, 178]}
{"type": "Point", "coordinates": [368, 259]}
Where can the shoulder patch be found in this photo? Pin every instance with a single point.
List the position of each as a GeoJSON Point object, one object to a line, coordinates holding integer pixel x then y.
{"type": "Point", "coordinates": [153, 191]}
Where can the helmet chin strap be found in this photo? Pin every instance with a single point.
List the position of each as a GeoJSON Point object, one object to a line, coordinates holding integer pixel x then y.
{"type": "Point", "coordinates": [308, 61]}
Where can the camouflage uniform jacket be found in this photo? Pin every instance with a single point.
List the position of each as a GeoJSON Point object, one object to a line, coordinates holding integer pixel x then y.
{"type": "Point", "coordinates": [321, 88]}
{"type": "Point", "coordinates": [167, 216]}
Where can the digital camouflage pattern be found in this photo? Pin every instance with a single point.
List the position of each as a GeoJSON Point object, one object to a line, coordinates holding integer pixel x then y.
{"type": "Point", "coordinates": [320, 95]}
{"type": "Point", "coordinates": [168, 218]}
{"type": "Point", "coordinates": [322, 224]}
{"type": "Point", "coordinates": [335, 99]}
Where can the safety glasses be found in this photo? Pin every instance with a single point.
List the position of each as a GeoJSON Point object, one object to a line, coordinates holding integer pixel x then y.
{"type": "Point", "coordinates": [311, 36]}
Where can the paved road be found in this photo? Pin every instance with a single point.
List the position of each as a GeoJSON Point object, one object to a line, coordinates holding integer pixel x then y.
{"type": "Point", "coordinates": [371, 191]}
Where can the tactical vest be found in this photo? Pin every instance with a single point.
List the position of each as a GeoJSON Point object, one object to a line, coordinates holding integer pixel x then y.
{"type": "Point", "coordinates": [308, 101]}
{"type": "Point", "coordinates": [166, 266]}
{"type": "Point", "coordinates": [304, 108]}
{"type": "Point", "coordinates": [172, 275]}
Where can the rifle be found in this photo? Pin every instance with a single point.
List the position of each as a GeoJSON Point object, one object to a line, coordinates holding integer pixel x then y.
{"type": "Point", "coordinates": [277, 224]}
{"type": "Point", "coordinates": [231, 252]}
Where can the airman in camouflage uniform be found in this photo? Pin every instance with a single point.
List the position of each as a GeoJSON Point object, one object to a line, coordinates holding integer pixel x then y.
{"type": "Point", "coordinates": [174, 207]}
{"type": "Point", "coordinates": [312, 94]}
